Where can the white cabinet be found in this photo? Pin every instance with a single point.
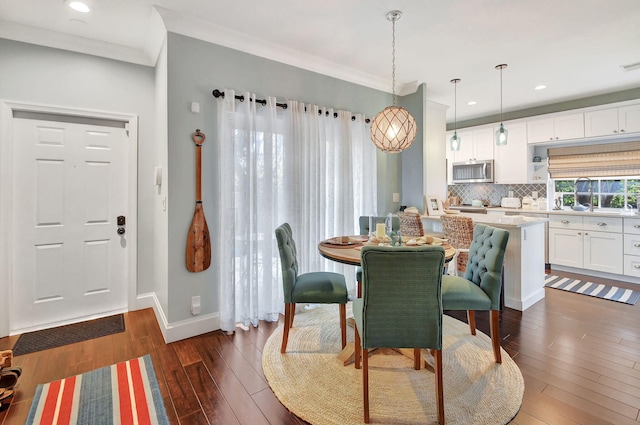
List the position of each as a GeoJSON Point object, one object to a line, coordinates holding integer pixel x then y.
{"type": "Point", "coordinates": [477, 144]}
{"type": "Point", "coordinates": [551, 129]}
{"type": "Point", "coordinates": [511, 159]}
{"type": "Point", "coordinates": [629, 119]}
{"type": "Point", "coordinates": [611, 121]}
{"type": "Point", "coordinates": [632, 247]}
{"type": "Point", "coordinates": [587, 242]}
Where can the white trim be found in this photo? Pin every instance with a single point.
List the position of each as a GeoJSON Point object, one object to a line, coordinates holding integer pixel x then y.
{"type": "Point", "coordinates": [182, 329]}
{"type": "Point", "coordinates": [6, 184]}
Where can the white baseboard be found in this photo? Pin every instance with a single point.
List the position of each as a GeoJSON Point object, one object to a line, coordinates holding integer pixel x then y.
{"type": "Point", "coordinates": [182, 329]}
{"type": "Point", "coordinates": [596, 273]}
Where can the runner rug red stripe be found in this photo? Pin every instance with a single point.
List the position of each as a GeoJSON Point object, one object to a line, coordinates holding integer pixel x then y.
{"type": "Point", "coordinates": [126, 393]}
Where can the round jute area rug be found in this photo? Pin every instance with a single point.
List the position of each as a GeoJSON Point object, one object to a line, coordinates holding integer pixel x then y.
{"type": "Point", "coordinates": [311, 381]}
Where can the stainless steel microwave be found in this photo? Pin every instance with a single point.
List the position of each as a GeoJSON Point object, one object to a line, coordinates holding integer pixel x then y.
{"type": "Point", "coordinates": [473, 172]}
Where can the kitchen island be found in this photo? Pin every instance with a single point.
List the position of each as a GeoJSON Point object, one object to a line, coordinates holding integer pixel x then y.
{"type": "Point", "coordinates": [524, 258]}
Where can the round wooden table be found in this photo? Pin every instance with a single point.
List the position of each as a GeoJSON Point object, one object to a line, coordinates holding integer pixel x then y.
{"type": "Point", "coordinates": [350, 252]}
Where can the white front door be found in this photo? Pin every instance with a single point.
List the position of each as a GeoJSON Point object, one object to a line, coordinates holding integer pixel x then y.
{"type": "Point", "coordinates": [69, 187]}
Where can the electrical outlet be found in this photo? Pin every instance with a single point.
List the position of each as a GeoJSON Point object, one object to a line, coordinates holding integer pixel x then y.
{"type": "Point", "coordinates": [534, 194]}
{"type": "Point", "coordinates": [195, 305]}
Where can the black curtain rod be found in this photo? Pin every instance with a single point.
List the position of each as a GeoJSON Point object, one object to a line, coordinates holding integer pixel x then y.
{"type": "Point", "coordinates": [217, 93]}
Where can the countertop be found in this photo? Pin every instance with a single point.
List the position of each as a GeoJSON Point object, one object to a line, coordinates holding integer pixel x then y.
{"type": "Point", "coordinates": [566, 211]}
{"type": "Point", "coordinates": [498, 220]}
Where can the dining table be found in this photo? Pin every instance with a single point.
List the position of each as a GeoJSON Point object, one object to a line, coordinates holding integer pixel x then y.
{"type": "Point", "coordinates": [347, 249]}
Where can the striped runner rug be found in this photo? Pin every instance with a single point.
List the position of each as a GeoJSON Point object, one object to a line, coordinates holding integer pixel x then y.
{"type": "Point", "coordinates": [124, 393]}
{"type": "Point", "coordinates": [607, 292]}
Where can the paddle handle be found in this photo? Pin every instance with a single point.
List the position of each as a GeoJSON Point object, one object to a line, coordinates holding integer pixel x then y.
{"type": "Point", "coordinates": [199, 138]}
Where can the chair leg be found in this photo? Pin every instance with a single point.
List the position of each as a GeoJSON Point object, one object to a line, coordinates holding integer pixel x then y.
{"type": "Point", "coordinates": [285, 331]}
{"type": "Point", "coordinates": [471, 318]}
{"type": "Point", "coordinates": [358, 348]}
{"type": "Point", "coordinates": [292, 313]}
{"type": "Point", "coordinates": [416, 358]}
{"type": "Point", "coordinates": [365, 383]}
{"type": "Point", "coordinates": [437, 366]}
{"type": "Point", "coordinates": [494, 322]}
{"type": "Point", "coordinates": [343, 324]}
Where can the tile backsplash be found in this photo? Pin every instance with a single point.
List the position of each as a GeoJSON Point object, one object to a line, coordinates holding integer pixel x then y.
{"type": "Point", "coordinates": [494, 192]}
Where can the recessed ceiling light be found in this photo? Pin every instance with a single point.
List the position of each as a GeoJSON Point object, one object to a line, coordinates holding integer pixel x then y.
{"type": "Point", "coordinates": [540, 87]}
{"type": "Point", "coordinates": [78, 6]}
{"type": "Point", "coordinates": [471, 102]}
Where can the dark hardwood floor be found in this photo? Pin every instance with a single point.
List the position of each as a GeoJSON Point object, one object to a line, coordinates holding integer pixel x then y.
{"type": "Point", "coordinates": [580, 358]}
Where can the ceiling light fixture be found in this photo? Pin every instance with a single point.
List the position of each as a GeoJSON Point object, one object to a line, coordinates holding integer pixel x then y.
{"type": "Point", "coordinates": [502, 133]}
{"type": "Point", "coordinates": [540, 87]}
{"type": "Point", "coordinates": [79, 6]}
{"type": "Point", "coordinates": [393, 129]}
{"type": "Point", "coordinates": [455, 139]}
{"type": "Point", "coordinates": [472, 102]}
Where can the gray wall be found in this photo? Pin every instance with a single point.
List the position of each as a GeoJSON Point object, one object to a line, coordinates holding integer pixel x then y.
{"type": "Point", "coordinates": [195, 68]}
{"type": "Point", "coordinates": [412, 168]}
{"type": "Point", "coordinates": [42, 75]}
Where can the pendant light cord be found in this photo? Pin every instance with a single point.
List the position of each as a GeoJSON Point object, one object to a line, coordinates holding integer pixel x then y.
{"type": "Point", "coordinates": [501, 94]}
{"type": "Point", "coordinates": [393, 59]}
{"type": "Point", "coordinates": [455, 106]}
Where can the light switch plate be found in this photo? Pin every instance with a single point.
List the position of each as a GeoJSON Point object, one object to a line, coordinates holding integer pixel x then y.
{"type": "Point", "coordinates": [396, 197]}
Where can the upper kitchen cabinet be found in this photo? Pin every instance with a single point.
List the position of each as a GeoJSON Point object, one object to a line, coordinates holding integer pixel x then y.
{"type": "Point", "coordinates": [511, 160]}
{"type": "Point", "coordinates": [556, 128]}
{"type": "Point", "coordinates": [477, 144]}
{"type": "Point", "coordinates": [612, 121]}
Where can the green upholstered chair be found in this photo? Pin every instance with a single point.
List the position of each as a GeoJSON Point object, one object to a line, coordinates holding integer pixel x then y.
{"type": "Point", "coordinates": [312, 287]}
{"type": "Point", "coordinates": [363, 221]}
{"type": "Point", "coordinates": [401, 307]}
{"type": "Point", "coordinates": [481, 285]}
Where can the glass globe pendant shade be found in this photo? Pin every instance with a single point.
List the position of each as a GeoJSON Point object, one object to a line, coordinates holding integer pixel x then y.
{"type": "Point", "coordinates": [501, 136]}
{"type": "Point", "coordinates": [393, 129]}
{"type": "Point", "coordinates": [455, 141]}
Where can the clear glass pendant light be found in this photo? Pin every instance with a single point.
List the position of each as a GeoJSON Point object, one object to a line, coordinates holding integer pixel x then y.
{"type": "Point", "coordinates": [455, 140]}
{"type": "Point", "coordinates": [502, 133]}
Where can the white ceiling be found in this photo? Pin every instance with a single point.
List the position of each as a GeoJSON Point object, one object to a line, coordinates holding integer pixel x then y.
{"type": "Point", "coordinates": [575, 47]}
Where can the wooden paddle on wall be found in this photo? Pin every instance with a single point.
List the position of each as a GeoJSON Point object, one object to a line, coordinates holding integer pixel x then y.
{"type": "Point", "coordinates": [198, 242]}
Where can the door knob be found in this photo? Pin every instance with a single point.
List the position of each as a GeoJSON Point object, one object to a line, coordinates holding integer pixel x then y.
{"type": "Point", "coordinates": [121, 230]}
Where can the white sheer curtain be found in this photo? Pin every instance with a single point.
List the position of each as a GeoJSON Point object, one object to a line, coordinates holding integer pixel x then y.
{"type": "Point", "coordinates": [307, 168]}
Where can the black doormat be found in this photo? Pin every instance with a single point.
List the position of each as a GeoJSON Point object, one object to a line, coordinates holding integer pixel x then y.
{"type": "Point", "coordinates": [68, 334]}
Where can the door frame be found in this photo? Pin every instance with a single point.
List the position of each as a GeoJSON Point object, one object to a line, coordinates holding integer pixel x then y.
{"type": "Point", "coordinates": [6, 196]}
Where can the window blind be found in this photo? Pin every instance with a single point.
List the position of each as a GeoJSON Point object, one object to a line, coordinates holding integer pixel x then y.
{"type": "Point", "coordinates": [604, 160]}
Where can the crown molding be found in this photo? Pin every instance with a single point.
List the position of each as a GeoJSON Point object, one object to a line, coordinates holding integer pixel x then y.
{"type": "Point", "coordinates": [205, 31]}
{"type": "Point", "coordinates": [58, 40]}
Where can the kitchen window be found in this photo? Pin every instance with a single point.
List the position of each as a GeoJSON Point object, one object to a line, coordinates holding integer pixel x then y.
{"type": "Point", "coordinates": [608, 193]}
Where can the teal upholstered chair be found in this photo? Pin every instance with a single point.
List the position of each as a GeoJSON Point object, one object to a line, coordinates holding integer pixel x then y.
{"type": "Point", "coordinates": [313, 287]}
{"type": "Point", "coordinates": [481, 285]}
{"type": "Point", "coordinates": [364, 224]}
{"type": "Point", "coordinates": [401, 307]}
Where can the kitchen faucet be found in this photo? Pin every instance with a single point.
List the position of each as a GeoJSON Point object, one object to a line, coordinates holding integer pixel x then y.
{"type": "Point", "coordinates": [590, 192]}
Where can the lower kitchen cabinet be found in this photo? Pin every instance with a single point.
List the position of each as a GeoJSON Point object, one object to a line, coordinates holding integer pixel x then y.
{"type": "Point", "coordinates": [591, 243]}
{"type": "Point", "coordinates": [632, 247]}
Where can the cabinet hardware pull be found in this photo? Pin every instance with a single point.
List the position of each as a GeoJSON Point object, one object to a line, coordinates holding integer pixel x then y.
{"type": "Point", "coordinates": [636, 245]}
{"type": "Point", "coordinates": [600, 223]}
{"type": "Point", "coordinates": [636, 266]}
{"type": "Point", "coordinates": [567, 222]}
{"type": "Point", "coordinates": [637, 226]}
